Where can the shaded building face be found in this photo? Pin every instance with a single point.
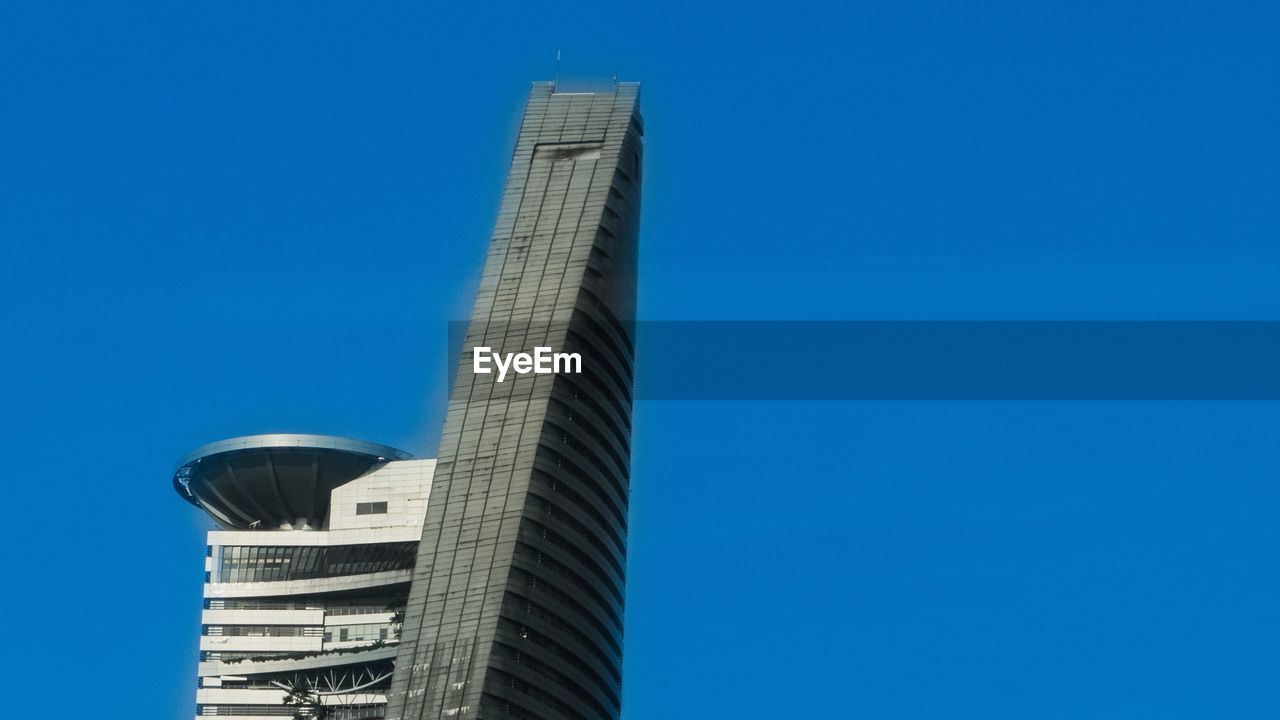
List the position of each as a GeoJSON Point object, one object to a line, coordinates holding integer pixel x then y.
{"type": "Point", "coordinates": [516, 602]}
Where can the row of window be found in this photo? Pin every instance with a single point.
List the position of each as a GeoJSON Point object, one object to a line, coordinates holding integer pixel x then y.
{"type": "Point", "coordinates": [556, 434]}
{"type": "Point", "coordinates": [620, 433]}
{"type": "Point", "coordinates": [349, 712]}
{"type": "Point", "coordinates": [589, 426]}
{"type": "Point", "coordinates": [260, 604]}
{"type": "Point", "coordinates": [552, 675]}
{"type": "Point", "coordinates": [543, 585]}
{"type": "Point", "coordinates": [529, 553]}
{"type": "Point", "coordinates": [561, 487]}
{"type": "Point", "coordinates": [363, 606]}
{"type": "Point", "coordinates": [555, 704]}
{"type": "Point", "coordinates": [358, 633]}
{"type": "Point", "coordinates": [240, 564]}
{"type": "Point", "coordinates": [570, 548]}
{"type": "Point", "coordinates": [621, 395]}
{"type": "Point", "coordinates": [560, 516]}
{"type": "Point", "coordinates": [564, 631]}
{"type": "Point", "coordinates": [585, 480]}
{"type": "Point", "coordinates": [263, 630]}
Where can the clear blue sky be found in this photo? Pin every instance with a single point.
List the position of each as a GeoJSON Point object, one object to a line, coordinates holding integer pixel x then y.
{"type": "Point", "coordinates": [227, 218]}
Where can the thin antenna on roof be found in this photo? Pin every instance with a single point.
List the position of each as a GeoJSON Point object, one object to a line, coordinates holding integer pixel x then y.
{"type": "Point", "coordinates": [615, 79]}
{"type": "Point", "coordinates": [556, 84]}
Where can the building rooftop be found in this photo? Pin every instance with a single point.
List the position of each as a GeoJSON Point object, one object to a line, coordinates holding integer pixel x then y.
{"type": "Point", "coordinates": [274, 481]}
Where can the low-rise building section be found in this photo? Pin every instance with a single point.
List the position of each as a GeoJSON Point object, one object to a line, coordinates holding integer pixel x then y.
{"type": "Point", "coordinates": [306, 575]}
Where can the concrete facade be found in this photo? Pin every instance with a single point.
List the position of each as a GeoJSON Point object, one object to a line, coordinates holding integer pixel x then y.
{"type": "Point", "coordinates": [516, 604]}
{"type": "Point", "coordinates": [316, 605]}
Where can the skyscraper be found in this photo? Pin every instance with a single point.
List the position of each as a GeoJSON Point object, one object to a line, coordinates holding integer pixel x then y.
{"type": "Point", "coordinates": [336, 582]}
{"type": "Point", "coordinates": [517, 599]}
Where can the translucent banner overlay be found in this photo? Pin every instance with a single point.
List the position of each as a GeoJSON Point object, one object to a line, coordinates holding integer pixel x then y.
{"type": "Point", "coordinates": [927, 360]}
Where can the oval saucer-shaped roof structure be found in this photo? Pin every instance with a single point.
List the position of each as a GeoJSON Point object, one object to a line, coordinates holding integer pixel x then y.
{"type": "Point", "coordinates": [269, 481]}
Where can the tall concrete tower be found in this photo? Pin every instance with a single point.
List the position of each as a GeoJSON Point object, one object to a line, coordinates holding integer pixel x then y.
{"type": "Point", "coordinates": [516, 602]}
